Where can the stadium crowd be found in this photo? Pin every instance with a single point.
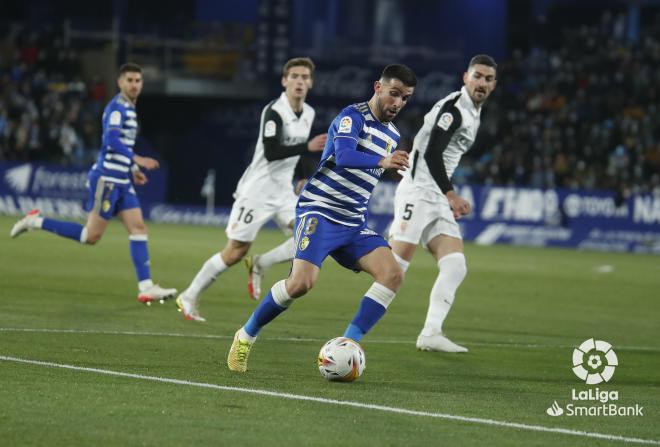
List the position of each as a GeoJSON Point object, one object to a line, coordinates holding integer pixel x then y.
{"type": "Point", "coordinates": [580, 110]}
{"type": "Point", "coordinates": [47, 113]}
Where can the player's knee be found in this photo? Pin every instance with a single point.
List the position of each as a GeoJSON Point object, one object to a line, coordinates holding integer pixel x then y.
{"type": "Point", "coordinates": [234, 252]}
{"type": "Point", "coordinates": [392, 277]}
{"type": "Point", "coordinates": [298, 286]}
{"type": "Point", "coordinates": [92, 237]}
{"type": "Point", "coordinates": [138, 228]}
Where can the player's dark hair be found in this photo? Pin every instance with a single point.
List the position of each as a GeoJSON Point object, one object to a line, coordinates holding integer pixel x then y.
{"type": "Point", "coordinates": [400, 72]}
{"type": "Point", "coordinates": [298, 62]}
{"type": "Point", "coordinates": [130, 67]}
{"type": "Point", "coordinates": [483, 59]}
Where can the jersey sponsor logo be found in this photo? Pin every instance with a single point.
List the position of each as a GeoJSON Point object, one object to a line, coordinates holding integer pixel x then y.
{"type": "Point", "coordinates": [270, 129]}
{"type": "Point", "coordinates": [115, 118]}
{"type": "Point", "coordinates": [304, 243]}
{"type": "Point", "coordinates": [345, 125]}
{"type": "Point", "coordinates": [445, 121]}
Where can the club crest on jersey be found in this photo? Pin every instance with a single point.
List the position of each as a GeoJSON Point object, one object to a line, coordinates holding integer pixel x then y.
{"type": "Point", "coordinates": [445, 121]}
{"type": "Point", "coordinates": [345, 125]}
{"type": "Point", "coordinates": [304, 243]}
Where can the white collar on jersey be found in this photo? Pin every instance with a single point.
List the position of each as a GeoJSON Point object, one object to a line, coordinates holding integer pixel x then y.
{"type": "Point", "coordinates": [292, 114]}
{"type": "Point", "coordinates": [468, 104]}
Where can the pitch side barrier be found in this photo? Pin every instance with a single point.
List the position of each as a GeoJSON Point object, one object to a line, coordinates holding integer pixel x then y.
{"type": "Point", "coordinates": [592, 220]}
{"type": "Point", "coordinates": [581, 219]}
{"type": "Point", "coordinates": [60, 191]}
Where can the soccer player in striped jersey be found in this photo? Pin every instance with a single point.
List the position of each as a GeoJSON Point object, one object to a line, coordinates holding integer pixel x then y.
{"type": "Point", "coordinates": [332, 210]}
{"type": "Point", "coordinates": [425, 204]}
{"type": "Point", "coordinates": [265, 191]}
{"type": "Point", "coordinates": [110, 188]}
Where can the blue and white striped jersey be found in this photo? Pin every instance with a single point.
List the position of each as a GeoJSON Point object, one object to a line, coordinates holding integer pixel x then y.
{"type": "Point", "coordinates": [341, 194]}
{"type": "Point", "coordinates": [120, 128]}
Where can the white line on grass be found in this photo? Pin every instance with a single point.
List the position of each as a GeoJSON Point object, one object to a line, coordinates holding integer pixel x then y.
{"type": "Point", "coordinates": [301, 339]}
{"type": "Point", "coordinates": [345, 403]}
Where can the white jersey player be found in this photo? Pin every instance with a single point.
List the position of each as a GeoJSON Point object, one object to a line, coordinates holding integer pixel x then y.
{"type": "Point", "coordinates": [425, 204]}
{"type": "Point", "coordinates": [265, 191]}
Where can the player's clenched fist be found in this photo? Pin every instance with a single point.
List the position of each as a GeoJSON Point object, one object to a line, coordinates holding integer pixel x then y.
{"type": "Point", "coordinates": [396, 160]}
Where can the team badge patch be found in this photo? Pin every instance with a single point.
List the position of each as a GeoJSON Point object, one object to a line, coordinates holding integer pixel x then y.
{"type": "Point", "coordinates": [445, 121]}
{"type": "Point", "coordinates": [345, 125]}
{"type": "Point", "coordinates": [270, 129]}
{"type": "Point", "coordinates": [310, 228]}
{"type": "Point", "coordinates": [304, 243]}
{"type": "Point", "coordinates": [106, 206]}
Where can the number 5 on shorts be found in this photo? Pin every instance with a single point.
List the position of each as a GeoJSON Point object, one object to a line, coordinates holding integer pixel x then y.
{"type": "Point", "coordinates": [407, 211]}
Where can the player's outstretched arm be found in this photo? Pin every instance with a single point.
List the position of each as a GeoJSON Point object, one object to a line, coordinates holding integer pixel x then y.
{"type": "Point", "coordinates": [146, 162]}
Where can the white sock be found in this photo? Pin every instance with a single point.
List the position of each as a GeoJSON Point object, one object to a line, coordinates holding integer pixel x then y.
{"type": "Point", "coordinates": [452, 272]}
{"type": "Point", "coordinates": [38, 222]}
{"type": "Point", "coordinates": [83, 238]}
{"type": "Point", "coordinates": [243, 335]}
{"type": "Point", "coordinates": [206, 275]}
{"type": "Point", "coordinates": [282, 253]}
{"type": "Point", "coordinates": [281, 295]}
{"type": "Point", "coordinates": [145, 284]}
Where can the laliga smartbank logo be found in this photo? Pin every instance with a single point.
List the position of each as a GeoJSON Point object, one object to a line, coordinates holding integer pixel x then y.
{"type": "Point", "coordinates": [594, 362]}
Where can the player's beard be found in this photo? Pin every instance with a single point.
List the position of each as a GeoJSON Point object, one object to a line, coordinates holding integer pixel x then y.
{"type": "Point", "coordinates": [384, 112]}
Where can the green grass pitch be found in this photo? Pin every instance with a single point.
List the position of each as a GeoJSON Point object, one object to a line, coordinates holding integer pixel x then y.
{"type": "Point", "coordinates": [521, 311]}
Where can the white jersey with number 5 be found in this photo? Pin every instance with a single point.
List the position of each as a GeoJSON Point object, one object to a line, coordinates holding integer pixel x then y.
{"type": "Point", "coordinates": [457, 116]}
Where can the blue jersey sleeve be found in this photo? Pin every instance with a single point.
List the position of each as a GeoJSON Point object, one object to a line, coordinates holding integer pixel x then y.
{"type": "Point", "coordinates": [112, 128]}
{"type": "Point", "coordinates": [346, 135]}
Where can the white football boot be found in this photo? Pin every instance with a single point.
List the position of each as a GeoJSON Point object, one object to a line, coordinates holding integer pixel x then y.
{"type": "Point", "coordinates": [27, 223]}
{"type": "Point", "coordinates": [155, 293]}
{"type": "Point", "coordinates": [189, 307]}
{"type": "Point", "coordinates": [438, 342]}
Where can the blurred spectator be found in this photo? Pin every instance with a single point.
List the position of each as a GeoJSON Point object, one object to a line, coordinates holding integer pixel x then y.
{"type": "Point", "coordinates": [44, 116]}
{"type": "Point", "coordinates": [581, 112]}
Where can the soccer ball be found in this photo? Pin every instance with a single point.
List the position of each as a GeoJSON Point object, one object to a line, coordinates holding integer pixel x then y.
{"type": "Point", "coordinates": [341, 359]}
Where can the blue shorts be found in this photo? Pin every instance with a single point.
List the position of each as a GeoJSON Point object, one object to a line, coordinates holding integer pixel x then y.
{"type": "Point", "coordinates": [317, 237]}
{"type": "Point", "coordinates": [108, 198]}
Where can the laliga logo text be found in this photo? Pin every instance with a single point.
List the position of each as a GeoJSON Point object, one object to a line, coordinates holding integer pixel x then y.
{"type": "Point", "coordinates": [594, 361]}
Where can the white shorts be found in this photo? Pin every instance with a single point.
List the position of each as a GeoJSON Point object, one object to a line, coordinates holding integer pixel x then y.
{"type": "Point", "coordinates": [418, 221]}
{"type": "Point", "coordinates": [248, 215]}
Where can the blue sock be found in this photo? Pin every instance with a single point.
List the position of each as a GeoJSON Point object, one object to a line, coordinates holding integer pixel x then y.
{"type": "Point", "coordinates": [366, 317]}
{"type": "Point", "coordinates": [62, 228]}
{"type": "Point", "coordinates": [140, 256]}
{"type": "Point", "coordinates": [265, 312]}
